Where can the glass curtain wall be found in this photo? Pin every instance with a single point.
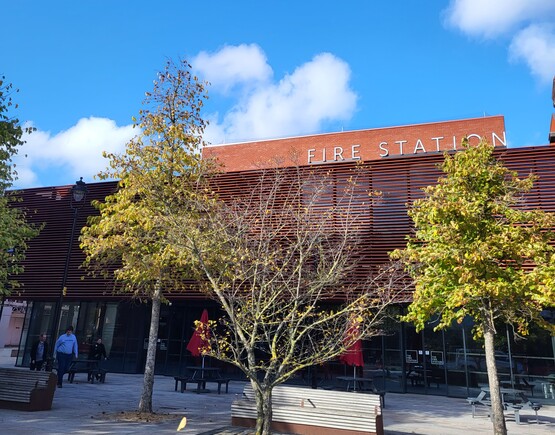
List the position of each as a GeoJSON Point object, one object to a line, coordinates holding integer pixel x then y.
{"type": "Point", "coordinates": [400, 360]}
{"type": "Point", "coordinates": [39, 318]}
{"type": "Point", "coordinates": [452, 362]}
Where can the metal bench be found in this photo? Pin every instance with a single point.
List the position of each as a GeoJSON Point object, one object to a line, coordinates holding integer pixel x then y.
{"type": "Point", "coordinates": [478, 400]}
{"type": "Point", "coordinates": [26, 390]}
{"type": "Point", "coordinates": [534, 406]}
{"type": "Point", "coordinates": [518, 407]}
{"type": "Point", "coordinates": [307, 411]}
{"type": "Point", "coordinates": [515, 407]}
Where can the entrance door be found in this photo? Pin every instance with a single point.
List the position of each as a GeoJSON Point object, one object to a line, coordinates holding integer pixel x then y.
{"type": "Point", "coordinates": [14, 329]}
{"type": "Point", "coordinates": [424, 361]}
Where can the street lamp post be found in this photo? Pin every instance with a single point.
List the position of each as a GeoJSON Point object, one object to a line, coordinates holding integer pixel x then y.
{"type": "Point", "coordinates": [77, 199]}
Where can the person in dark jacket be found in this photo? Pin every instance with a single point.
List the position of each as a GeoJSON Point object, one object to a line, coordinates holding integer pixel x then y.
{"type": "Point", "coordinates": [39, 353]}
{"type": "Point", "coordinates": [98, 351]}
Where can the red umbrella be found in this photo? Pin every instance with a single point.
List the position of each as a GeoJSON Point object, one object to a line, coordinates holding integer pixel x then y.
{"type": "Point", "coordinates": [353, 355]}
{"type": "Point", "coordinates": [199, 344]}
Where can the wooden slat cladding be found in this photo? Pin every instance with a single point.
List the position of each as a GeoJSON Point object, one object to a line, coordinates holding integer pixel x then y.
{"type": "Point", "coordinates": [385, 224]}
{"type": "Point", "coordinates": [46, 256]}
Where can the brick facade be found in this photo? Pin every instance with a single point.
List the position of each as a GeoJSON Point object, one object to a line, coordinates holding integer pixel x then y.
{"type": "Point", "coordinates": [364, 145]}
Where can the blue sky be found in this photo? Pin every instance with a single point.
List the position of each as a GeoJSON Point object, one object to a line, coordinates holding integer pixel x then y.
{"type": "Point", "coordinates": [277, 68]}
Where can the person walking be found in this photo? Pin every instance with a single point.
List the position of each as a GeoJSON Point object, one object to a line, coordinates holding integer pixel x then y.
{"type": "Point", "coordinates": [97, 352]}
{"type": "Point", "coordinates": [66, 347]}
{"type": "Point", "coordinates": [39, 352]}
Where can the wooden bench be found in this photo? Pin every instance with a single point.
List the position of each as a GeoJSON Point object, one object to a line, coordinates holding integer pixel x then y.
{"type": "Point", "coordinates": [307, 411]}
{"type": "Point", "coordinates": [201, 383]}
{"type": "Point", "coordinates": [26, 390]}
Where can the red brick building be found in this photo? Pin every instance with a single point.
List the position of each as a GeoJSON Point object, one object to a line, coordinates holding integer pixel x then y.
{"type": "Point", "coordinates": [399, 161]}
{"type": "Point", "coordinates": [359, 145]}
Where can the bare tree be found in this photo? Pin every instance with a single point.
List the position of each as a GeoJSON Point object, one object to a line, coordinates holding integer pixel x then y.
{"type": "Point", "coordinates": [284, 258]}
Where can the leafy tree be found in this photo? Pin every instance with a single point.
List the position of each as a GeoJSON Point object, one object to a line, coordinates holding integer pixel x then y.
{"type": "Point", "coordinates": [158, 173]}
{"type": "Point", "coordinates": [15, 232]}
{"type": "Point", "coordinates": [280, 256]}
{"type": "Point", "coordinates": [478, 251]}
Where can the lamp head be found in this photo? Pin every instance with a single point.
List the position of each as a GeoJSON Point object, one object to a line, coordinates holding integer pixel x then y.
{"type": "Point", "coordinates": [79, 191]}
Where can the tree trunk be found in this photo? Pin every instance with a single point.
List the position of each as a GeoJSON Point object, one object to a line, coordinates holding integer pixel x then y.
{"type": "Point", "coordinates": [263, 410]}
{"type": "Point", "coordinates": [145, 404]}
{"type": "Point", "coordinates": [498, 418]}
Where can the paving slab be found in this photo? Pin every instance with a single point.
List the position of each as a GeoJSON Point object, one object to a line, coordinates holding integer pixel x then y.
{"type": "Point", "coordinates": [84, 408]}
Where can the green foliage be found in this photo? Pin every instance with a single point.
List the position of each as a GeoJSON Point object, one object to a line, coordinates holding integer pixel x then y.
{"type": "Point", "coordinates": [15, 232]}
{"type": "Point", "coordinates": [477, 250]}
{"type": "Point", "coordinates": [160, 173]}
{"type": "Point", "coordinates": [10, 136]}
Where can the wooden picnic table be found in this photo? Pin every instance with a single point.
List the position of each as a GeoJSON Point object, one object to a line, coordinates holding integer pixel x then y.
{"type": "Point", "coordinates": [356, 383]}
{"type": "Point", "coordinates": [201, 376]}
{"type": "Point", "coordinates": [199, 372]}
{"type": "Point", "coordinates": [362, 384]}
{"type": "Point", "coordinates": [89, 366]}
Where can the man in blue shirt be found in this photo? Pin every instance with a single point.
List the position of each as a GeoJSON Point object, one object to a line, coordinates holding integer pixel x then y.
{"type": "Point", "coordinates": [65, 348]}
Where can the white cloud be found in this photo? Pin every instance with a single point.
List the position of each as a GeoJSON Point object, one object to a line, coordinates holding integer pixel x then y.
{"type": "Point", "coordinates": [70, 154]}
{"type": "Point", "coordinates": [299, 103]}
{"type": "Point", "coordinates": [244, 64]}
{"type": "Point", "coordinates": [527, 23]}
{"type": "Point", "coordinates": [535, 45]}
{"type": "Point", "coordinates": [491, 18]}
